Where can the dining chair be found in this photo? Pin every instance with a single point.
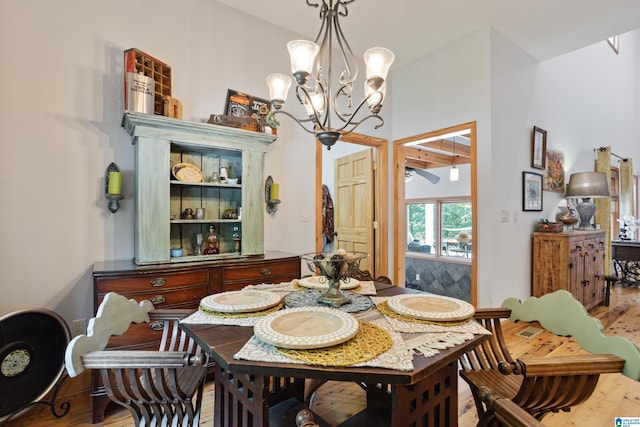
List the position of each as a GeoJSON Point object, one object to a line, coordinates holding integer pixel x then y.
{"type": "Point", "coordinates": [503, 412]}
{"type": "Point", "coordinates": [162, 387]}
{"type": "Point", "coordinates": [305, 418]}
{"type": "Point", "coordinates": [539, 385]}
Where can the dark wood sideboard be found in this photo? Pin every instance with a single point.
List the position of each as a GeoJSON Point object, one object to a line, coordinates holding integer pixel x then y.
{"type": "Point", "coordinates": [178, 285]}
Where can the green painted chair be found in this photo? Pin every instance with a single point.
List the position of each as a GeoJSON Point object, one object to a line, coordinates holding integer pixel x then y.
{"type": "Point", "coordinates": [540, 385]}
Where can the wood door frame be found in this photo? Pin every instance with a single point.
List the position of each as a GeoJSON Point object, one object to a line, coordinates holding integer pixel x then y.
{"type": "Point", "coordinates": [381, 191]}
{"type": "Point", "coordinates": [400, 223]}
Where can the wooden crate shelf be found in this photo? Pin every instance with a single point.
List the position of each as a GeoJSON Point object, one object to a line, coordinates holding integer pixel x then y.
{"type": "Point", "coordinates": [137, 61]}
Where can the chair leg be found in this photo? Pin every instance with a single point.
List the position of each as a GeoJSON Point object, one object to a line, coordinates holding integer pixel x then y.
{"type": "Point", "coordinates": [609, 280]}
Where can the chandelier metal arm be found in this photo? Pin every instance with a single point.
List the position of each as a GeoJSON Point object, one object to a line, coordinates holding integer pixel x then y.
{"type": "Point", "coordinates": [358, 123]}
{"type": "Point", "coordinates": [348, 57]}
{"type": "Point", "coordinates": [297, 120]}
{"type": "Point", "coordinates": [348, 116]}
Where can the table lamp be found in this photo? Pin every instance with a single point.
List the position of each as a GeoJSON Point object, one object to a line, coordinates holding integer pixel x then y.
{"type": "Point", "coordinates": [587, 185]}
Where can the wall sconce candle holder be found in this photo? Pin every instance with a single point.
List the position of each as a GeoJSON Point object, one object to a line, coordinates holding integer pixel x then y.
{"type": "Point", "coordinates": [113, 187]}
{"type": "Point", "coordinates": [271, 194]}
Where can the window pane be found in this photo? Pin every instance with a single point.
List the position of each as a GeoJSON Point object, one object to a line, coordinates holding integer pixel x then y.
{"type": "Point", "coordinates": [421, 227]}
{"type": "Point", "coordinates": [456, 229]}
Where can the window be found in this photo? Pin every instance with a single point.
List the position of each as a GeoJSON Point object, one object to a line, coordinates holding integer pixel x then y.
{"type": "Point", "coordinates": [440, 228]}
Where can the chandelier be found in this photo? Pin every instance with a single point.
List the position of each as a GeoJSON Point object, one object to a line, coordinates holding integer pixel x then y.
{"type": "Point", "coordinates": [312, 68]}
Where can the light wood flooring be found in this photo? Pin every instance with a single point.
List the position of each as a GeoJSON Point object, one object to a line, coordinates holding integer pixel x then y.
{"type": "Point", "coordinates": [616, 395]}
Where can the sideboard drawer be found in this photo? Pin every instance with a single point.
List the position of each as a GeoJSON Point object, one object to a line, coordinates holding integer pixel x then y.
{"type": "Point", "coordinates": [265, 272]}
{"type": "Point", "coordinates": [171, 298]}
{"type": "Point", "coordinates": [151, 282]}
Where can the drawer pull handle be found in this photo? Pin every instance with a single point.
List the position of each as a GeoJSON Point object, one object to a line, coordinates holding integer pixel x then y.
{"type": "Point", "coordinates": [159, 299]}
{"type": "Point", "coordinates": [156, 325]}
{"type": "Point", "coordinates": [266, 271]}
{"type": "Point", "coordinates": [158, 282]}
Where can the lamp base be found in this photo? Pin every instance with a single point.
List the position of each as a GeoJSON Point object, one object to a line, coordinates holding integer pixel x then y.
{"type": "Point", "coordinates": [586, 210]}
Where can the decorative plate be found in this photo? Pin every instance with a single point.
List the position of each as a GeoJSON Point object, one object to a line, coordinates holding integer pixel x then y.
{"type": "Point", "coordinates": [240, 301]}
{"type": "Point", "coordinates": [187, 172]}
{"type": "Point", "coordinates": [431, 307]}
{"type": "Point", "coordinates": [319, 282]}
{"type": "Point", "coordinates": [306, 327]}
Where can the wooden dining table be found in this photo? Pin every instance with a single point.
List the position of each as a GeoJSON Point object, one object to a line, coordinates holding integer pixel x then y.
{"type": "Point", "coordinates": [261, 394]}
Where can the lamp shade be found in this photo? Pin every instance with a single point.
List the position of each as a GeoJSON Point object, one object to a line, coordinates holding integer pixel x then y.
{"type": "Point", "coordinates": [375, 97]}
{"type": "Point", "coordinates": [314, 104]}
{"type": "Point", "coordinates": [587, 185]}
{"type": "Point", "coordinates": [303, 55]}
{"type": "Point", "coordinates": [378, 60]}
{"type": "Point", "coordinates": [279, 85]}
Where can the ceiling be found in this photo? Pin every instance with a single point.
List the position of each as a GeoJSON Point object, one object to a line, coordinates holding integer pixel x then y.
{"type": "Point", "coordinates": [438, 153]}
{"type": "Point", "coordinates": [413, 28]}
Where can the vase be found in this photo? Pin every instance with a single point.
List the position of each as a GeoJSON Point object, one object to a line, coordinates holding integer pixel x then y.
{"type": "Point", "coordinates": [334, 267]}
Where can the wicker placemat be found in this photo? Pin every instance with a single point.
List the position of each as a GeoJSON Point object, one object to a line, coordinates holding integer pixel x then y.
{"type": "Point", "coordinates": [370, 341]}
{"type": "Point", "coordinates": [384, 309]}
{"type": "Point", "coordinates": [241, 315]}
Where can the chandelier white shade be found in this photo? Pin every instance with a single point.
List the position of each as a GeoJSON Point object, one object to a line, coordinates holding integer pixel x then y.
{"type": "Point", "coordinates": [312, 68]}
{"type": "Point", "coordinates": [279, 85]}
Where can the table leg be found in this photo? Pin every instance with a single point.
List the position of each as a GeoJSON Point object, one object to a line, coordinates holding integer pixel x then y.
{"type": "Point", "coordinates": [245, 399]}
{"type": "Point", "coordinates": [432, 401]}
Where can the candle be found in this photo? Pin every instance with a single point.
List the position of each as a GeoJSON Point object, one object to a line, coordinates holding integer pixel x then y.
{"type": "Point", "coordinates": [274, 192]}
{"type": "Point", "coordinates": [115, 183]}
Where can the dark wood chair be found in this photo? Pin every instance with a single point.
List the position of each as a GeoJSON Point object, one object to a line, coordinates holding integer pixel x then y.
{"type": "Point", "coordinates": [304, 418]}
{"type": "Point", "coordinates": [538, 385]}
{"type": "Point", "coordinates": [162, 387]}
{"type": "Point", "coordinates": [503, 412]}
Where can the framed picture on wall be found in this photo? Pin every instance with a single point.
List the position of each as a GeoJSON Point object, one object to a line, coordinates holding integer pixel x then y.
{"type": "Point", "coordinates": [554, 176]}
{"type": "Point", "coordinates": [538, 148]}
{"type": "Point", "coordinates": [531, 191]}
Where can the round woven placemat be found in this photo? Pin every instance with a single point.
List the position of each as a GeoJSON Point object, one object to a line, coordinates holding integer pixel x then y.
{"type": "Point", "coordinates": [384, 309]}
{"type": "Point", "coordinates": [370, 341]}
{"type": "Point", "coordinates": [240, 315]}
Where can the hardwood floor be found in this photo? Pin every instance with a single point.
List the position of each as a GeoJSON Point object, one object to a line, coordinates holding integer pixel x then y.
{"type": "Point", "coordinates": [615, 395]}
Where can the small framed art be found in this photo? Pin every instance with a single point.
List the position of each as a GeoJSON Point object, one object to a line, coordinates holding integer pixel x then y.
{"type": "Point", "coordinates": [538, 148]}
{"type": "Point", "coordinates": [554, 176]}
{"type": "Point", "coordinates": [531, 191]}
{"type": "Point", "coordinates": [239, 104]}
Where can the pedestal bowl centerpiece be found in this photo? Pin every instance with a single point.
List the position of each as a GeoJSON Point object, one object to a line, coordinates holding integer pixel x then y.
{"type": "Point", "coordinates": [334, 267]}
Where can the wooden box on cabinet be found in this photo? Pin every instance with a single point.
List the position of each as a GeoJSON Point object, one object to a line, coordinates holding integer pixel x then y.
{"type": "Point", "coordinates": [178, 285]}
{"type": "Point", "coordinates": [162, 142]}
{"type": "Point", "coordinates": [572, 261]}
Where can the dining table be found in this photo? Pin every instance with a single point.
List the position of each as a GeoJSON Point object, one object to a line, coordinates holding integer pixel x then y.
{"type": "Point", "coordinates": [267, 393]}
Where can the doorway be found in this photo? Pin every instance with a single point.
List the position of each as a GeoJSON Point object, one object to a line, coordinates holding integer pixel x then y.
{"type": "Point", "coordinates": [380, 258]}
{"type": "Point", "coordinates": [452, 243]}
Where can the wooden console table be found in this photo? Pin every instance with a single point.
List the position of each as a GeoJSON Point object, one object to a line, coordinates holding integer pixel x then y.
{"type": "Point", "coordinates": [626, 257]}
